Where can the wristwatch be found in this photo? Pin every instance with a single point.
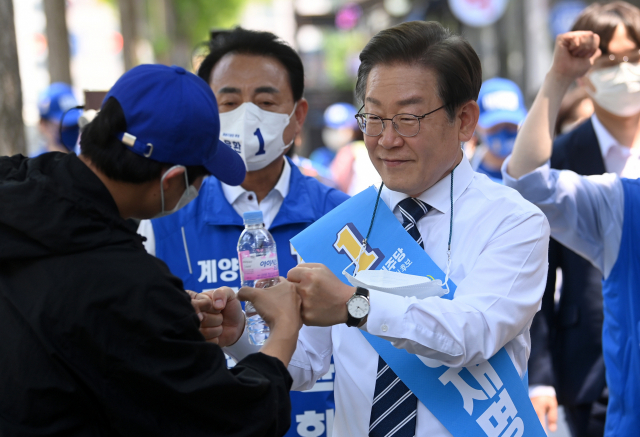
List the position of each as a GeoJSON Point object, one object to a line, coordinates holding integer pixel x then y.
{"type": "Point", "coordinates": [358, 306]}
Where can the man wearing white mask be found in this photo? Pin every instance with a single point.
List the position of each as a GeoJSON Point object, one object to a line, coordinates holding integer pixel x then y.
{"type": "Point", "coordinates": [567, 366]}
{"type": "Point", "coordinates": [258, 81]}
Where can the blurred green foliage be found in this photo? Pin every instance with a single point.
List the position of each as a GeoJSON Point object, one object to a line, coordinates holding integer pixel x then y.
{"type": "Point", "coordinates": [169, 22]}
{"type": "Point", "coordinates": [194, 18]}
{"type": "Point", "coordinates": [341, 50]}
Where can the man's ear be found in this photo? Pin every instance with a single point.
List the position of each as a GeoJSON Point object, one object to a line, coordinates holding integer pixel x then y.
{"type": "Point", "coordinates": [173, 177]}
{"type": "Point", "coordinates": [300, 114]}
{"type": "Point", "coordinates": [468, 117]}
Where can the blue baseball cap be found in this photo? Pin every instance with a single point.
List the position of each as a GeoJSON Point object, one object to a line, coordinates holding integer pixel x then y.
{"type": "Point", "coordinates": [341, 115]}
{"type": "Point", "coordinates": [58, 100]}
{"type": "Point", "coordinates": [172, 117]}
{"type": "Point", "coordinates": [500, 101]}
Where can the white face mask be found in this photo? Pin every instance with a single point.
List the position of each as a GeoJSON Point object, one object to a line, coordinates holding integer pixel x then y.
{"type": "Point", "coordinates": [189, 194]}
{"type": "Point", "coordinates": [617, 89]}
{"type": "Point", "coordinates": [255, 134]}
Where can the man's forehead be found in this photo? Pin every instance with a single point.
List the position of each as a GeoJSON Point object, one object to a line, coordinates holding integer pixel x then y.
{"type": "Point", "coordinates": [250, 72]}
{"type": "Point", "coordinates": [401, 84]}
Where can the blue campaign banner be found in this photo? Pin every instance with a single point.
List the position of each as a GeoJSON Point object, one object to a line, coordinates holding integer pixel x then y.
{"type": "Point", "coordinates": [312, 411]}
{"type": "Point", "coordinates": [488, 399]}
{"type": "Point", "coordinates": [336, 238]}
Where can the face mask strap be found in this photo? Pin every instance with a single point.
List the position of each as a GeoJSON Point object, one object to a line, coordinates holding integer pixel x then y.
{"type": "Point", "coordinates": [446, 276]}
{"type": "Point", "coordinates": [295, 105]}
{"type": "Point", "coordinates": [186, 181]}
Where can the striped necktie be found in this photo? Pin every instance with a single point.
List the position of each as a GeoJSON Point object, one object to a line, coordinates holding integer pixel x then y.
{"type": "Point", "coordinates": [394, 406]}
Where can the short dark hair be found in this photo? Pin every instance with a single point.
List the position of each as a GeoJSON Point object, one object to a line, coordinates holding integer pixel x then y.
{"type": "Point", "coordinates": [98, 142]}
{"type": "Point", "coordinates": [250, 42]}
{"type": "Point", "coordinates": [452, 59]}
{"type": "Point", "coordinates": [604, 19]}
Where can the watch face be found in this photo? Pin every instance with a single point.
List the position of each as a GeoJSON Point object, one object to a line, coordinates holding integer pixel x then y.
{"type": "Point", "coordinates": [358, 307]}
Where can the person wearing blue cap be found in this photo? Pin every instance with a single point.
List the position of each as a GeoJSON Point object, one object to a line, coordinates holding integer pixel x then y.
{"type": "Point", "coordinates": [502, 110]}
{"type": "Point", "coordinates": [98, 337]}
{"type": "Point", "coordinates": [258, 81]}
{"type": "Point", "coordinates": [59, 116]}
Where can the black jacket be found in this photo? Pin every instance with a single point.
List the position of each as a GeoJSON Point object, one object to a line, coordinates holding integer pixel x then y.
{"type": "Point", "coordinates": [566, 340]}
{"type": "Point", "coordinates": [96, 336]}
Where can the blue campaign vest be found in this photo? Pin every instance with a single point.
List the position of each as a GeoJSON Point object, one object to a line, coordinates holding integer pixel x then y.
{"type": "Point", "coordinates": [199, 243]}
{"type": "Point", "coordinates": [621, 327]}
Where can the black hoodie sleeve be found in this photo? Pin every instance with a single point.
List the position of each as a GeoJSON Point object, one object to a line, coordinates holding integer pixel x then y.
{"type": "Point", "coordinates": [155, 373]}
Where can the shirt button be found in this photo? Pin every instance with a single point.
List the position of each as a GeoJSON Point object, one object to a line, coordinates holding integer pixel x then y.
{"type": "Point", "coordinates": [250, 197]}
{"type": "Point", "coordinates": [384, 328]}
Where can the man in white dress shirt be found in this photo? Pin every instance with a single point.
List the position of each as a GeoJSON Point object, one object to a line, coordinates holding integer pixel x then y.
{"type": "Point", "coordinates": [498, 246]}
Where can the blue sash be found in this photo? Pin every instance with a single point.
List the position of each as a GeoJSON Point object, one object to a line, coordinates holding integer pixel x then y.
{"type": "Point", "coordinates": [488, 399]}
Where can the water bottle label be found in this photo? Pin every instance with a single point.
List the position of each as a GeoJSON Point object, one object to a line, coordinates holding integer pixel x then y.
{"type": "Point", "coordinates": [255, 267]}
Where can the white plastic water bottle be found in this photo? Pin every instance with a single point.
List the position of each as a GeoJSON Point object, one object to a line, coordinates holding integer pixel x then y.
{"type": "Point", "coordinates": [258, 268]}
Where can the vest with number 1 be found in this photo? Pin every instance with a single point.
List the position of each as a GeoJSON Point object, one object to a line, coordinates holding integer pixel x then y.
{"type": "Point", "coordinates": [199, 244]}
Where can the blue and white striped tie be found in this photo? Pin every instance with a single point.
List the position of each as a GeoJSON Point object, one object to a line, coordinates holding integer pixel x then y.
{"type": "Point", "coordinates": [394, 408]}
{"type": "Point", "coordinates": [412, 210]}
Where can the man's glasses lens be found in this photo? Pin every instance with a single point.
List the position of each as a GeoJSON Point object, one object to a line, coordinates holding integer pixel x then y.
{"type": "Point", "coordinates": [406, 125]}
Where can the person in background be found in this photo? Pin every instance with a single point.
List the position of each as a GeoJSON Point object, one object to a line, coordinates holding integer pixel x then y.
{"type": "Point", "coordinates": [351, 168]}
{"type": "Point", "coordinates": [596, 216]}
{"type": "Point", "coordinates": [56, 101]}
{"type": "Point", "coordinates": [502, 110]}
{"type": "Point", "coordinates": [576, 108]}
{"type": "Point", "coordinates": [340, 129]}
{"type": "Point", "coordinates": [258, 81]}
{"type": "Point", "coordinates": [567, 364]}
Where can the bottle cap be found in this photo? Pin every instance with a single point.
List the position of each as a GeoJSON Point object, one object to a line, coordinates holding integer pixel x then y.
{"type": "Point", "coordinates": [252, 217]}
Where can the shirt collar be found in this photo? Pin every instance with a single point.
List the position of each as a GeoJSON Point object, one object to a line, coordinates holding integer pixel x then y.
{"type": "Point", "coordinates": [438, 196]}
{"type": "Point", "coordinates": [605, 139]}
{"type": "Point", "coordinates": [232, 194]}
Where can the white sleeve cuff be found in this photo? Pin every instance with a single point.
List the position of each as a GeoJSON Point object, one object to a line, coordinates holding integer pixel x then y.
{"type": "Point", "coordinates": [386, 315]}
{"type": "Point", "coordinates": [241, 348]}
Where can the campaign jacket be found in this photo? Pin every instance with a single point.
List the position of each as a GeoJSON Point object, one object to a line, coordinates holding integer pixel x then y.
{"type": "Point", "coordinates": [199, 244]}
{"type": "Point", "coordinates": [97, 336]}
{"type": "Point", "coordinates": [566, 339]}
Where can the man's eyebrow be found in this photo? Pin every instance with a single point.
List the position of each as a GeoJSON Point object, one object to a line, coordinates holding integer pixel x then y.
{"type": "Point", "coordinates": [410, 101]}
{"type": "Point", "coordinates": [405, 102]}
{"type": "Point", "coordinates": [229, 90]}
{"type": "Point", "coordinates": [266, 89]}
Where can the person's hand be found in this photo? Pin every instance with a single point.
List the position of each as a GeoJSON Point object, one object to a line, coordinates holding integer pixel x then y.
{"type": "Point", "coordinates": [278, 305]}
{"type": "Point", "coordinates": [324, 296]}
{"type": "Point", "coordinates": [200, 303]}
{"type": "Point", "coordinates": [546, 408]}
{"type": "Point", "coordinates": [221, 320]}
{"type": "Point", "coordinates": [574, 54]}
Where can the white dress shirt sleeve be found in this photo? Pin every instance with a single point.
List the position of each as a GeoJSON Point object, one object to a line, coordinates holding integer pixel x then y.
{"type": "Point", "coordinates": [312, 357]}
{"type": "Point", "coordinates": [585, 212]}
{"type": "Point", "coordinates": [145, 228]}
{"type": "Point", "coordinates": [494, 303]}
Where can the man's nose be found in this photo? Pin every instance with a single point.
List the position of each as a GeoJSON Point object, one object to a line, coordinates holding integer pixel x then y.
{"type": "Point", "coordinates": [389, 137]}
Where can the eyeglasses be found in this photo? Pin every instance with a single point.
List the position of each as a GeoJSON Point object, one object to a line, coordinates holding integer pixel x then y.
{"type": "Point", "coordinates": [611, 60]}
{"type": "Point", "coordinates": [407, 125]}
